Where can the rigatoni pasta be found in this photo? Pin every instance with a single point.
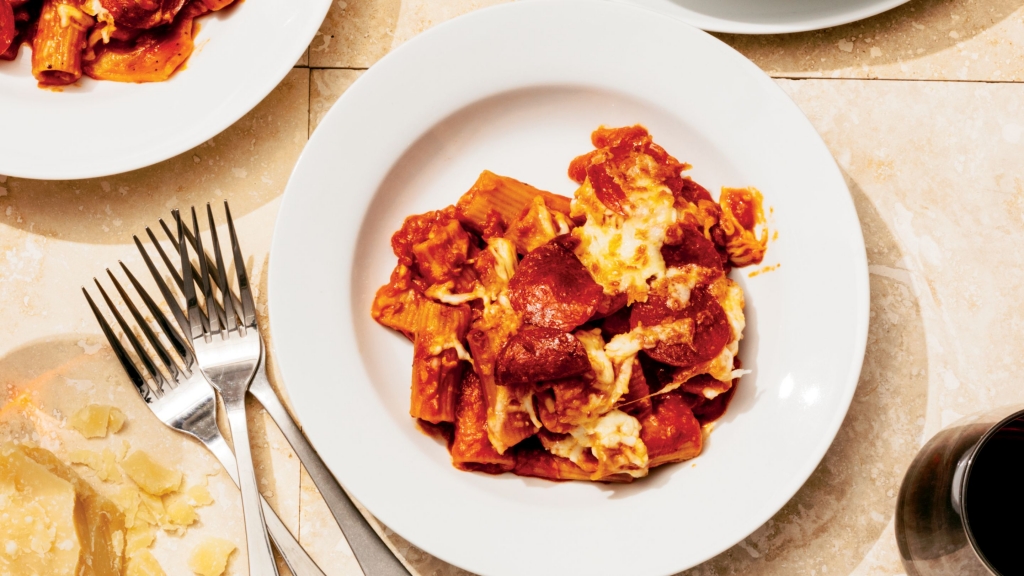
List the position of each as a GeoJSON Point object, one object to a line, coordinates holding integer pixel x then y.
{"type": "Point", "coordinates": [59, 42]}
{"type": "Point", "coordinates": [584, 338]}
{"type": "Point", "coordinates": [119, 40]}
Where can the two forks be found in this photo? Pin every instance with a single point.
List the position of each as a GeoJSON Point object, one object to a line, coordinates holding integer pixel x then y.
{"type": "Point", "coordinates": [222, 346]}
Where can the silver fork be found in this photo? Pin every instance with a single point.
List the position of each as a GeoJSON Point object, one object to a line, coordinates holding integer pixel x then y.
{"type": "Point", "coordinates": [228, 356]}
{"type": "Point", "coordinates": [370, 549]}
{"type": "Point", "coordinates": [186, 402]}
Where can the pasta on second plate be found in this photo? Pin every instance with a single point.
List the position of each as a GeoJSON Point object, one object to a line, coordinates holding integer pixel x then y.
{"type": "Point", "coordinates": [120, 40]}
{"type": "Point", "coordinates": [590, 338]}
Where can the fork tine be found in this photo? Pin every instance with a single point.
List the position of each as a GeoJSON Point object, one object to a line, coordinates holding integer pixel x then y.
{"type": "Point", "coordinates": [204, 269]}
{"type": "Point", "coordinates": [195, 273]}
{"type": "Point", "coordinates": [222, 278]}
{"type": "Point", "coordinates": [184, 352]}
{"type": "Point", "coordinates": [214, 270]}
{"type": "Point", "coordinates": [244, 290]}
{"type": "Point", "coordinates": [147, 331]}
{"type": "Point", "coordinates": [122, 355]}
{"type": "Point", "coordinates": [165, 291]}
{"type": "Point", "coordinates": [154, 373]}
{"type": "Point", "coordinates": [188, 288]}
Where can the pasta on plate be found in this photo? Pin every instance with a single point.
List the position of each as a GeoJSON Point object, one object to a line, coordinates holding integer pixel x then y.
{"type": "Point", "coordinates": [120, 40]}
{"type": "Point", "coordinates": [584, 338]}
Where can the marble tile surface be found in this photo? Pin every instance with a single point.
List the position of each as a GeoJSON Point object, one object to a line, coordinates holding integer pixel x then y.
{"type": "Point", "coordinates": [921, 40]}
{"type": "Point", "coordinates": [357, 33]}
{"type": "Point", "coordinates": [934, 169]}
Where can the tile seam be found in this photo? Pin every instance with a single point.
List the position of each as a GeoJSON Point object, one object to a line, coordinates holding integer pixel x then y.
{"type": "Point", "coordinates": [936, 80]}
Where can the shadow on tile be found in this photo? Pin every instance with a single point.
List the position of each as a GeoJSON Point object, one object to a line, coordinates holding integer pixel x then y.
{"type": "Point", "coordinates": [922, 27]}
{"type": "Point", "coordinates": [846, 505]}
{"type": "Point", "coordinates": [248, 164]}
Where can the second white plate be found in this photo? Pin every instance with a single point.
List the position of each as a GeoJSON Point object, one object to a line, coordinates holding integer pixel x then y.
{"type": "Point", "coordinates": [517, 89]}
{"type": "Point", "coordinates": [769, 16]}
{"type": "Point", "coordinates": [95, 128]}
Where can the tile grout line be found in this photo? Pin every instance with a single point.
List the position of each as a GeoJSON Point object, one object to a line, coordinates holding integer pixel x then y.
{"type": "Point", "coordinates": [791, 77]}
{"type": "Point", "coordinates": [935, 80]}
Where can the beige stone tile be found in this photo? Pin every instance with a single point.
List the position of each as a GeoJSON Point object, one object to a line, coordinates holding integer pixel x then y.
{"type": "Point", "coordinates": [325, 87]}
{"type": "Point", "coordinates": [304, 59]}
{"type": "Point", "coordinates": [357, 33]}
{"type": "Point", "coordinates": [419, 15]}
{"type": "Point", "coordinates": [924, 39]}
{"type": "Point", "coordinates": [321, 536]}
{"type": "Point", "coordinates": [935, 174]}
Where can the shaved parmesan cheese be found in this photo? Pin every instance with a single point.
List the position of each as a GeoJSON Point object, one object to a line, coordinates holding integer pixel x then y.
{"type": "Point", "coordinates": [210, 558]}
{"type": "Point", "coordinates": [150, 475]}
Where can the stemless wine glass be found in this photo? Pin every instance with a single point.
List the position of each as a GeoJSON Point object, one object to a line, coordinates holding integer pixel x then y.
{"type": "Point", "coordinates": [959, 508]}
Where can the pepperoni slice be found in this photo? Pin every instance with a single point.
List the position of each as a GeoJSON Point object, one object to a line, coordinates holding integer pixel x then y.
{"type": "Point", "coordinates": [552, 289]}
{"type": "Point", "coordinates": [693, 192]}
{"type": "Point", "coordinates": [710, 410]}
{"type": "Point", "coordinates": [711, 327]}
{"type": "Point", "coordinates": [694, 249]}
{"type": "Point", "coordinates": [705, 385]}
{"type": "Point", "coordinates": [671, 432]}
{"type": "Point", "coordinates": [7, 29]}
{"type": "Point", "coordinates": [617, 323]}
{"type": "Point", "coordinates": [536, 354]}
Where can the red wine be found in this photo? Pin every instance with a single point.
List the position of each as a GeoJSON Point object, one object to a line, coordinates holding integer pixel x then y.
{"type": "Point", "coordinates": [994, 500]}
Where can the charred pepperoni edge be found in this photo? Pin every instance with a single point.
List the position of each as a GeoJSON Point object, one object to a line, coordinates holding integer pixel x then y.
{"type": "Point", "coordinates": [693, 192]}
{"type": "Point", "coordinates": [656, 374]}
{"type": "Point", "coordinates": [617, 323]}
{"type": "Point", "coordinates": [706, 410]}
{"type": "Point", "coordinates": [711, 327]}
{"type": "Point", "coordinates": [693, 249]}
{"type": "Point", "coordinates": [536, 354]}
{"type": "Point", "coordinates": [614, 145]}
{"type": "Point", "coordinates": [553, 289]}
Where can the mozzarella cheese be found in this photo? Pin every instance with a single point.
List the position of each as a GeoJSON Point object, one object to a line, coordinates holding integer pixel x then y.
{"type": "Point", "coordinates": [623, 253]}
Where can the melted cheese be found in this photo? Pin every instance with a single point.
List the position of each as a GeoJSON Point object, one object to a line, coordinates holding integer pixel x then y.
{"type": "Point", "coordinates": [95, 9]}
{"type": "Point", "coordinates": [623, 253]}
{"type": "Point", "coordinates": [72, 16]}
{"type": "Point", "coordinates": [613, 439]}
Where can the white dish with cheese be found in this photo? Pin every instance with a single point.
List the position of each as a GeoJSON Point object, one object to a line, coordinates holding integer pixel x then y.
{"type": "Point", "coordinates": [413, 134]}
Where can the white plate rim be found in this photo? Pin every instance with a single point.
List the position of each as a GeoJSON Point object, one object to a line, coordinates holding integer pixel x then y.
{"type": "Point", "coordinates": [290, 367]}
{"type": "Point", "coordinates": [269, 72]}
{"type": "Point", "coordinates": [723, 25]}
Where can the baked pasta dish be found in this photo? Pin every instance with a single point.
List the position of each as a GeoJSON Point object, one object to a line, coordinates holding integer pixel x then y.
{"type": "Point", "coordinates": [584, 338]}
{"type": "Point", "coordinates": [121, 40]}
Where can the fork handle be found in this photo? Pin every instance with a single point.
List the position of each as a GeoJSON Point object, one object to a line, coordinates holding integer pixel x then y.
{"type": "Point", "coordinates": [294, 554]}
{"type": "Point", "coordinates": [261, 558]}
{"type": "Point", "coordinates": [370, 550]}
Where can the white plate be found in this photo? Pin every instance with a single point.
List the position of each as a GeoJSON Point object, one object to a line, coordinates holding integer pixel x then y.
{"type": "Point", "coordinates": [100, 128]}
{"type": "Point", "coordinates": [769, 16]}
{"type": "Point", "coordinates": [517, 89]}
